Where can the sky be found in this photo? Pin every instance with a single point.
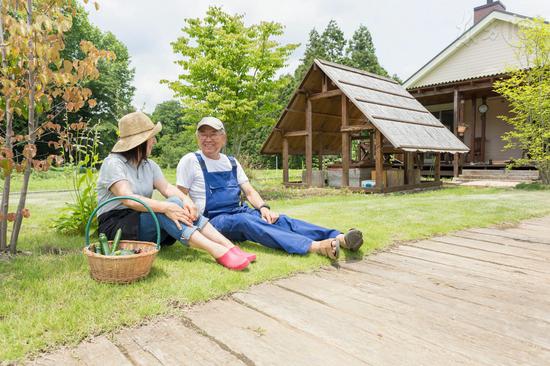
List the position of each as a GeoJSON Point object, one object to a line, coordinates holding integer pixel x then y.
{"type": "Point", "coordinates": [406, 33]}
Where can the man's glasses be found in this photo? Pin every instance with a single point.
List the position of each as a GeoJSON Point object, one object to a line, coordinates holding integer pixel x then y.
{"type": "Point", "coordinates": [204, 136]}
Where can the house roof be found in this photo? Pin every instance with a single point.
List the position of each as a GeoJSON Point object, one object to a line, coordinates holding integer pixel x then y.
{"type": "Point", "coordinates": [389, 107]}
{"type": "Point", "coordinates": [418, 79]}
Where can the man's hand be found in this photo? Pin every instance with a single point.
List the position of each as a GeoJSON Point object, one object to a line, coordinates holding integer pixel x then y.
{"type": "Point", "coordinates": [177, 214]}
{"type": "Point", "coordinates": [269, 216]}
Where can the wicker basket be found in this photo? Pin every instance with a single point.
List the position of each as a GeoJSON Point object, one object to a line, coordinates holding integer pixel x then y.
{"type": "Point", "coordinates": [126, 268]}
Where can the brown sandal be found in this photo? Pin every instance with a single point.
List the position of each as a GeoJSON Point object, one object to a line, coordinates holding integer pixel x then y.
{"type": "Point", "coordinates": [353, 240]}
{"type": "Point", "coordinates": [329, 248]}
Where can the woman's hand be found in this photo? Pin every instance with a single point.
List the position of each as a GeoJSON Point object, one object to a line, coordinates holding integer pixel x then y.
{"type": "Point", "coordinates": [269, 216]}
{"type": "Point", "coordinates": [177, 214]}
{"type": "Point", "coordinates": [191, 209]}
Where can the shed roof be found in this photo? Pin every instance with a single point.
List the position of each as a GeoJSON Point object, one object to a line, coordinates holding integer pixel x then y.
{"type": "Point", "coordinates": [383, 102]}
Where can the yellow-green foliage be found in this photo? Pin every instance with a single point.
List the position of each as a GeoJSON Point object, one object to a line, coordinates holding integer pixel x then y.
{"type": "Point", "coordinates": [527, 91]}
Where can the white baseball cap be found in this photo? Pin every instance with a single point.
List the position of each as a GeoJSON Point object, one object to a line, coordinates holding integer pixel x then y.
{"type": "Point", "coordinates": [212, 122]}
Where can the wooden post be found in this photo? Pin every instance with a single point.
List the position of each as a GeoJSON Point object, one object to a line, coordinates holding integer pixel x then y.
{"type": "Point", "coordinates": [371, 147]}
{"type": "Point", "coordinates": [456, 113]}
{"type": "Point", "coordinates": [408, 165]}
{"type": "Point", "coordinates": [309, 143]}
{"type": "Point", "coordinates": [473, 130]}
{"type": "Point", "coordinates": [324, 85]}
{"type": "Point", "coordinates": [285, 160]}
{"type": "Point", "coordinates": [320, 150]}
{"type": "Point", "coordinates": [345, 143]}
{"type": "Point", "coordinates": [437, 167]}
{"type": "Point", "coordinates": [483, 128]}
{"type": "Point", "coordinates": [379, 163]}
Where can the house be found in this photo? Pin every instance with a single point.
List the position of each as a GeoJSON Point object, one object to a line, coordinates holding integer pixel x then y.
{"type": "Point", "coordinates": [456, 86]}
{"type": "Point", "coordinates": [337, 107]}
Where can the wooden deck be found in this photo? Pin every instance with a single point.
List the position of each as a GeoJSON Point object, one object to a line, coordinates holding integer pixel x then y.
{"type": "Point", "coordinates": [476, 297]}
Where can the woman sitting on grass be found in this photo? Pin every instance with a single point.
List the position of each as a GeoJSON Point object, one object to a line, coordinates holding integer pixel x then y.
{"type": "Point", "coordinates": [128, 171]}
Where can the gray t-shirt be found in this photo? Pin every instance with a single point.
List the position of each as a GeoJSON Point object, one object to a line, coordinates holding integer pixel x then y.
{"type": "Point", "coordinates": [115, 168]}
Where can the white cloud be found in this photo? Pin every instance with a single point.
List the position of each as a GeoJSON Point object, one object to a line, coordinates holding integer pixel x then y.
{"type": "Point", "coordinates": [406, 33]}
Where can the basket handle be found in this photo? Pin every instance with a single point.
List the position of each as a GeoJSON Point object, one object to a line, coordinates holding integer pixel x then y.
{"type": "Point", "coordinates": [87, 232]}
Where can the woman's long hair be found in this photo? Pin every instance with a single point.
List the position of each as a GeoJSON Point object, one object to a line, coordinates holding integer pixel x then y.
{"type": "Point", "coordinates": [137, 154]}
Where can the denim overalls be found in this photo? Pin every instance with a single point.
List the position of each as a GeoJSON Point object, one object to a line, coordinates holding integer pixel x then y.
{"type": "Point", "coordinates": [238, 222]}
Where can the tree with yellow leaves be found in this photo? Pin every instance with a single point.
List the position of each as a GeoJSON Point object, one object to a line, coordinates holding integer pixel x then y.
{"type": "Point", "coordinates": [33, 73]}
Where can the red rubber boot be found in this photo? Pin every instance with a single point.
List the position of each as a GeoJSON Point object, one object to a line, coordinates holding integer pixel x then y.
{"type": "Point", "coordinates": [250, 256]}
{"type": "Point", "coordinates": [233, 261]}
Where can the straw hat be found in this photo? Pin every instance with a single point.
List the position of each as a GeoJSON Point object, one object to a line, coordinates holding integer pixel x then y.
{"type": "Point", "coordinates": [135, 128]}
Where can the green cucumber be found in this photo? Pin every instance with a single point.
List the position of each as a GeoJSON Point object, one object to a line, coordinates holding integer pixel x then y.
{"type": "Point", "coordinates": [116, 240]}
{"type": "Point", "coordinates": [104, 244]}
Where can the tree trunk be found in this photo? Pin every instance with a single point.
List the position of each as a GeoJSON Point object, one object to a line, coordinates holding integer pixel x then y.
{"type": "Point", "coordinates": [32, 128]}
{"type": "Point", "coordinates": [544, 171]}
{"type": "Point", "coordinates": [8, 145]}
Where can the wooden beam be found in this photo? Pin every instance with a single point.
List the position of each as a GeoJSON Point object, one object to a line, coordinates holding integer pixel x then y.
{"type": "Point", "coordinates": [456, 112]}
{"type": "Point", "coordinates": [295, 133]}
{"type": "Point", "coordinates": [324, 86]}
{"type": "Point", "coordinates": [379, 162]}
{"type": "Point", "coordinates": [409, 167]}
{"type": "Point", "coordinates": [437, 167]}
{"type": "Point", "coordinates": [483, 130]}
{"type": "Point", "coordinates": [345, 143]}
{"type": "Point", "coordinates": [391, 150]}
{"type": "Point", "coordinates": [320, 153]}
{"type": "Point", "coordinates": [462, 112]}
{"type": "Point", "coordinates": [365, 190]}
{"type": "Point", "coordinates": [371, 145]}
{"type": "Point", "coordinates": [309, 143]}
{"type": "Point", "coordinates": [304, 133]}
{"type": "Point", "coordinates": [285, 160]}
{"type": "Point", "coordinates": [449, 89]}
{"type": "Point", "coordinates": [327, 94]}
{"type": "Point", "coordinates": [473, 129]}
{"type": "Point", "coordinates": [356, 128]}
{"type": "Point", "coordinates": [456, 158]}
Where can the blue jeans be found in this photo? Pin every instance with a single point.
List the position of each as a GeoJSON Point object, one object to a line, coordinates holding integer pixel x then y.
{"type": "Point", "coordinates": [291, 235]}
{"type": "Point", "coordinates": [148, 230]}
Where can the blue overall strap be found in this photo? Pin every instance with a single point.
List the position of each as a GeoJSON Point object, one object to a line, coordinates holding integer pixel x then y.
{"type": "Point", "coordinates": [233, 166]}
{"type": "Point", "coordinates": [206, 186]}
{"type": "Point", "coordinates": [201, 162]}
{"type": "Point", "coordinates": [222, 189]}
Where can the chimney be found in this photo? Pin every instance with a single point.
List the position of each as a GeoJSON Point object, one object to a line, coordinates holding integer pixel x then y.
{"type": "Point", "coordinates": [482, 11]}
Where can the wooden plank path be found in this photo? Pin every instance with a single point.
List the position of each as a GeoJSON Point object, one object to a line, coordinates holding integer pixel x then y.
{"type": "Point", "coordinates": [474, 297]}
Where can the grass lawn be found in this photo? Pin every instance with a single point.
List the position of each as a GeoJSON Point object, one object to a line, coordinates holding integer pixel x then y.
{"type": "Point", "coordinates": [62, 179]}
{"type": "Point", "coordinates": [47, 300]}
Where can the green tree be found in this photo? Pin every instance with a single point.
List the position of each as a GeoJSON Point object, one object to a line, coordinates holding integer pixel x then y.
{"type": "Point", "coordinates": [329, 46]}
{"type": "Point", "coordinates": [172, 116]}
{"type": "Point", "coordinates": [177, 138]}
{"type": "Point", "coordinates": [230, 72]}
{"type": "Point", "coordinates": [527, 91]}
{"type": "Point", "coordinates": [113, 90]}
{"type": "Point", "coordinates": [362, 54]}
{"type": "Point", "coordinates": [334, 43]}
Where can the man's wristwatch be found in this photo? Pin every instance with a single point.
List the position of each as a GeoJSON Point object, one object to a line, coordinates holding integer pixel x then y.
{"type": "Point", "coordinates": [264, 205]}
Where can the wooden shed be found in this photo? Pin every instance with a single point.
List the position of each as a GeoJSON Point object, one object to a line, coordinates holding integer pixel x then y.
{"type": "Point", "coordinates": [335, 105]}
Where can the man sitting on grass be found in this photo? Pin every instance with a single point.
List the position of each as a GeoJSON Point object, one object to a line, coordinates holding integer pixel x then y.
{"type": "Point", "coordinates": [214, 182]}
